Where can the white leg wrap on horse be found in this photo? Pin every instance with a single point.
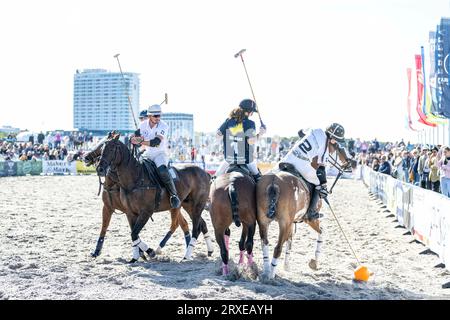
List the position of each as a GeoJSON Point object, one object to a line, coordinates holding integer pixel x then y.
{"type": "Point", "coordinates": [274, 267]}
{"type": "Point", "coordinates": [287, 255]}
{"type": "Point", "coordinates": [143, 246]}
{"type": "Point", "coordinates": [208, 241]}
{"type": "Point", "coordinates": [136, 254]}
{"type": "Point", "coordinates": [190, 248]}
{"type": "Point", "coordinates": [266, 258]}
{"type": "Point", "coordinates": [319, 246]}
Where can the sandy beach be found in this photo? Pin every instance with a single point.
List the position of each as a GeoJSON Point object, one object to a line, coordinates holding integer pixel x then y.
{"type": "Point", "coordinates": [49, 225]}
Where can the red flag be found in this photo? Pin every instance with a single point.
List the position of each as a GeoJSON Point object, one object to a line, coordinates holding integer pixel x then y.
{"type": "Point", "coordinates": [422, 116]}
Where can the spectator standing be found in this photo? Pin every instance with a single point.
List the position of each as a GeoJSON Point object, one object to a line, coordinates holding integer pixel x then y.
{"type": "Point", "coordinates": [385, 166]}
{"type": "Point", "coordinates": [444, 166]}
{"type": "Point", "coordinates": [434, 171]}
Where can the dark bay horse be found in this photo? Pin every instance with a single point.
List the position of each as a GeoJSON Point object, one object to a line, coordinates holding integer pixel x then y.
{"type": "Point", "coordinates": [111, 202]}
{"type": "Point", "coordinates": [287, 197]}
{"type": "Point", "coordinates": [136, 195]}
{"type": "Point", "coordinates": [233, 199]}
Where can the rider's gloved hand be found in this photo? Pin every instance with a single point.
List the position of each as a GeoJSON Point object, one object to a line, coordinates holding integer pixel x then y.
{"type": "Point", "coordinates": [262, 130]}
{"type": "Point", "coordinates": [323, 192]}
{"type": "Point", "coordinates": [136, 140]}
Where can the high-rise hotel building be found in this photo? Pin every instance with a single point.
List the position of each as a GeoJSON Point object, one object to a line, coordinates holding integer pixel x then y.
{"type": "Point", "coordinates": [100, 101]}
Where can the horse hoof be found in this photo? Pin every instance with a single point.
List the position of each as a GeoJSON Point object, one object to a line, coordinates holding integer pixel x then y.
{"type": "Point", "coordinates": [313, 264]}
{"type": "Point", "coordinates": [151, 253]}
{"type": "Point", "coordinates": [95, 254]}
{"type": "Point", "coordinates": [132, 260]}
{"type": "Point", "coordinates": [210, 253]}
{"type": "Point", "coordinates": [158, 250]}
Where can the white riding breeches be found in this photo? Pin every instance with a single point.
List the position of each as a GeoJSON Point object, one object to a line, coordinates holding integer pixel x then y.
{"type": "Point", "coordinates": [224, 165]}
{"type": "Point", "coordinates": [304, 167]}
{"type": "Point", "coordinates": [159, 159]}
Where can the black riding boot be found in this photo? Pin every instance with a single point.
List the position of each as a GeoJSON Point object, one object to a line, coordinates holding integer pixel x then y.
{"type": "Point", "coordinates": [170, 186]}
{"type": "Point", "coordinates": [311, 213]}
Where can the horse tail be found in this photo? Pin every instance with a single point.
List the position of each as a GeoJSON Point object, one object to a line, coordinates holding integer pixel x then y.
{"type": "Point", "coordinates": [273, 193]}
{"type": "Point", "coordinates": [234, 204]}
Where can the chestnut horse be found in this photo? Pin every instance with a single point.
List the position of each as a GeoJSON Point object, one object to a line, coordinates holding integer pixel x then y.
{"type": "Point", "coordinates": [285, 197]}
{"type": "Point", "coordinates": [233, 199]}
{"type": "Point", "coordinates": [193, 187]}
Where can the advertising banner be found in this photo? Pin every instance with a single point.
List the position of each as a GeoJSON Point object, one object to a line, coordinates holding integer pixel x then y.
{"type": "Point", "coordinates": [58, 167]}
{"type": "Point", "coordinates": [81, 168]}
{"type": "Point", "coordinates": [29, 167]}
{"type": "Point", "coordinates": [8, 168]}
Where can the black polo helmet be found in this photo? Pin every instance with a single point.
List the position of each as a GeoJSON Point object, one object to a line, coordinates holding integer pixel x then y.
{"type": "Point", "coordinates": [336, 131]}
{"type": "Point", "coordinates": [248, 105]}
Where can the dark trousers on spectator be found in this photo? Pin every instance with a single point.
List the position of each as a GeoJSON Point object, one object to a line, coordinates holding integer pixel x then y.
{"type": "Point", "coordinates": [425, 181]}
{"type": "Point", "coordinates": [435, 186]}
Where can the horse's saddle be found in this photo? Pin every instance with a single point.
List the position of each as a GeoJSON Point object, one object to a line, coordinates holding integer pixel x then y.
{"type": "Point", "coordinates": [287, 167]}
{"type": "Point", "coordinates": [241, 168]}
{"type": "Point", "coordinates": [152, 172]}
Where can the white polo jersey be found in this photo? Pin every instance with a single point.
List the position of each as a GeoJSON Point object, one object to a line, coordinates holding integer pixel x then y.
{"type": "Point", "coordinates": [311, 145]}
{"type": "Point", "coordinates": [161, 129]}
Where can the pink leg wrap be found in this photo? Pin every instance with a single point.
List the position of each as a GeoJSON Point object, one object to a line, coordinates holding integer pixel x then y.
{"type": "Point", "coordinates": [241, 257]}
{"type": "Point", "coordinates": [225, 270]}
{"type": "Point", "coordinates": [227, 242]}
{"type": "Point", "coordinates": [250, 259]}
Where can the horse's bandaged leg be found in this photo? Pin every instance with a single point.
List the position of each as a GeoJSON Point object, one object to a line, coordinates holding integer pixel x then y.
{"type": "Point", "coordinates": [98, 247]}
{"type": "Point", "coordinates": [274, 267]}
{"type": "Point", "coordinates": [187, 238]}
{"type": "Point", "coordinates": [225, 269]}
{"type": "Point", "coordinates": [142, 245]}
{"type": "Point", "coordinates": [165, 239]}
{"type": "Point", "coordinates": [190, 249]}
{"type": "Point", "coordinates": [287, 255]}
{"type": "Point", "coordinates": [227, 242]}
{"type": "Point", "coordinates": [241, 257]}
{"type": "Point", "coordinates": [209, 244]}
{"type": "Point", "coordinates": [136, 253]}
{"type": "Point", "coordinates": [250, 259]}
{"type": "Point", "coordinates": [265, 248]}
{"type": "Point", "coordinates": [319, 246]}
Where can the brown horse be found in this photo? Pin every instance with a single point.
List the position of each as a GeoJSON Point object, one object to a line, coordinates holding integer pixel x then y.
{"type": "Point", "coordinates": [285, 197]}
{"type": "Point", "coordinates": [136, 195]}
{"type": "Point", "coordinates": [233, 199]}
{"type": "Point", "coordinates": [111, 202]}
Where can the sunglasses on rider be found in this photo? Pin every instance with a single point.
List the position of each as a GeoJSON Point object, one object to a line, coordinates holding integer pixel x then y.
{"type": "Point", "coordinates": [155, 115]}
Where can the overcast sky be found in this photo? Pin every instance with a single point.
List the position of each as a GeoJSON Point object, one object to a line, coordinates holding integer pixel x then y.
{"type": "Point", "coordinates": [310, 62]}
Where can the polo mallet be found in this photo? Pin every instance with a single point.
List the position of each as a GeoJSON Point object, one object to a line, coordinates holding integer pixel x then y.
{"type": "Point", "coordinates": [239, 54]}
{"type": "Point", "coordinates": [128, 96]}
{"type": "Point", "coordinates": [137, 133]}
{"type": "Point", "coordinates": [361, 273]}
{"type": "Point", "coordinates": [166, 99]}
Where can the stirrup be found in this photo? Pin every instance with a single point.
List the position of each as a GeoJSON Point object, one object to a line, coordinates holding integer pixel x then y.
{"type": "Point", "coordinates": [174, 201]}
{"type": "Point", "coordinates": [313, 215]}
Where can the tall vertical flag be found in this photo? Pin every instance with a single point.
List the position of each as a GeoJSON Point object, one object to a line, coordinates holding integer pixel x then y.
{"type": "Point", "coordinates": [442, 64]}
{"type": "Point", "coordinates": [420, 92]}
{"type": "Point", "coordinates": [427, 101]}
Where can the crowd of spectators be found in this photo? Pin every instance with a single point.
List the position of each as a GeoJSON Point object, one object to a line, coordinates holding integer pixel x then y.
{"type": "Point", "coordinates": [53, 146]}
{"type": "Point", "coordinates": [421, 164]}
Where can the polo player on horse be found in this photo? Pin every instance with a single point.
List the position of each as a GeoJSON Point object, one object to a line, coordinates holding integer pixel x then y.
{"type": "Point", "coordinates": [309, 155]}
{"type": "Point", "coordinates": [153, 138]}
{"type": "Point", "coordinates": [239, 136]}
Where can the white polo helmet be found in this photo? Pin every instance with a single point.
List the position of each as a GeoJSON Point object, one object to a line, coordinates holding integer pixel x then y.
{"type": "Point", "coordinates": [154, 110]}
